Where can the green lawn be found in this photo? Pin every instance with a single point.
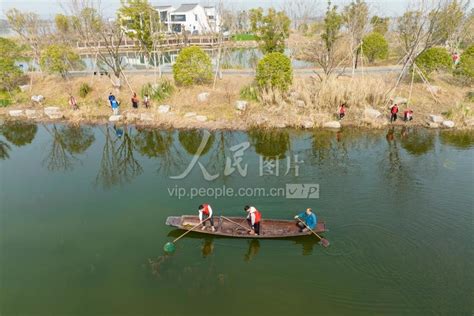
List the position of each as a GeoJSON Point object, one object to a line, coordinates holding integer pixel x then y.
{"type": "Point", "coordinates": [243, 37]}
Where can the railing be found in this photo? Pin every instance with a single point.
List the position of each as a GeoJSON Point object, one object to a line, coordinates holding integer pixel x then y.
{"type": "Point", "coordinates": [167, 43]}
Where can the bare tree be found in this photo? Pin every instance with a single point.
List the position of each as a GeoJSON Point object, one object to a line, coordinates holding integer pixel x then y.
{"type": "Point", "coordinates": [356, 19]}
{"type": "Point", "coordinates": [300, 11]}
{"type": "Point", "coordinates": [31, 29]}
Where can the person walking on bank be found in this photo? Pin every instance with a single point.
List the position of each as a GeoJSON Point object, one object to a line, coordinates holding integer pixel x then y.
{"type": "Point", "coordinates": [115, 106]}
{"type": "Point", "coordinates": [146, 101]}
{"type": "Point", "coordinates": [342, 111]}
{"type": "Point", "coordinates": [135, 101]}
{"type": "Point", "coordinates": [309, 218]}
{"type": "Point", "coordinates": [206, 210]}
{"type": "Point", "coordinates": [393, 113]}
{"type": "Point", "coordinates": [72, 102]}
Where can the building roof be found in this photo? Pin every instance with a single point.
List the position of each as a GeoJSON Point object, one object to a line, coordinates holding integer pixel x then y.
{"type": "Point", "coordinates": [163, 7]}
{"type": "Point", "coordinates": [186, 7]}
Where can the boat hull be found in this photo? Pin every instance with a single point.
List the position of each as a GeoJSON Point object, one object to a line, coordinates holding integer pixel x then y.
{"type": "Point", "coordinates": [269, 228]}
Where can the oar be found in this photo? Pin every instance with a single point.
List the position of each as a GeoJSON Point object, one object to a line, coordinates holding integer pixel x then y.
{"type": "Point", "coordinates": [324, 241]}
{"type": "Point", "coordinates": [170, 247]}
{"type": "Point", "coordinates": [246, 228]}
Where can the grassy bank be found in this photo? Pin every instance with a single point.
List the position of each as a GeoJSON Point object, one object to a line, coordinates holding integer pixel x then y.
{"type": "Point", "coordinates": [310, 103]}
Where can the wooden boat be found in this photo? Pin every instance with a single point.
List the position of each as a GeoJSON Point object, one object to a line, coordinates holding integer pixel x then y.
{"type": "Point", "coordinates": [269, 228]}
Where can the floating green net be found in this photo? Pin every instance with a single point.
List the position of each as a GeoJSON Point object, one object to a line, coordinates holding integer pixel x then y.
{"type": "Point", "coordinates": [169, 247]}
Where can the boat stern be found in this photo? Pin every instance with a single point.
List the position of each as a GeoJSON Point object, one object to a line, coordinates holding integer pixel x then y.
{"type": "Point", "coordinates": [173, 221]}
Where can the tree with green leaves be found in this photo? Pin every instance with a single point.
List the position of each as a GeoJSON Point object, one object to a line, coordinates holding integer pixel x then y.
{"type": "Point", "coordinates": [270, 30]}
{"type": "Point", "coordinates": [10, 74]}
{"type": "Point", "coordinates": [62, 24]}
{"type": "Point", "coordinates": [58, 58]}
{"type": "Point", "coordinates": [356, 18]}
{"type": "Point", "coordinates": [140, 21]}
{"type": "Point", "coordinates": [465, 67]}
{"type": "Point", "coordinates": [332, 26]}
{"type": "Point", "coordinates": [433, 59]}
{"type": "Point", "coordinates": [375, 46]}
{"type": "Point", "coordinates": [274, 71]}
{"type": "Point", "coordinates": [379, 24]}
{"type": "Point", "coordinates": [31, 29]}
{"type": "Point", "coordinates": [192, 66]}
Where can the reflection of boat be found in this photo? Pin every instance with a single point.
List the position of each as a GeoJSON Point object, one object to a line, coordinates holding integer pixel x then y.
{"type": "Point", "coordinates": [270, 228]}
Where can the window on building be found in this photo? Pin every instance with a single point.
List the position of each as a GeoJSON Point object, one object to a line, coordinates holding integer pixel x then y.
{"type": "Point", "coordinates": [195, 17]}
{"type": "Point", "coordinates": [164, 16]}
{"type": "Point", "coordinates": [210, 17]}
{"type": "Point", "coordinates": [178, 18]}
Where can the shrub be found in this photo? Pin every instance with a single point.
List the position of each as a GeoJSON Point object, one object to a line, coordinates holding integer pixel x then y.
{"type": "Point", "coordinates": [193, 66]}
{"type": "Point", "coordinates": [159, 91]}
{"type": "Point", "coordinates": [433, 59]}
{"type": "Point", "coordinates": [59, 59]}
{"type": "Point", "coordinates": [274, 71]}
{"type": "Point", "coordinates": [84, 90]}
{"type": "Point", "coordinates": [249, 93]}
{"type": "Point", "coordinates": [470, 96]}
{"type": "Point", "coordinates": [375, 46]}
{"type": "Point", "coordinates": [465, 67]}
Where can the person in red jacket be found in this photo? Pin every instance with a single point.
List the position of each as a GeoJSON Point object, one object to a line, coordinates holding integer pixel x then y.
{"type": "Point", "coordinates": [205, 212]}
{"type": "Point", "coordinates": [254, 218]}
{"type": "Point", "coordinates": [342, 111]}
{"type": "Point", "coordinates": [393, 112]}
{"type": "Point", "coordinates": [407, 115]}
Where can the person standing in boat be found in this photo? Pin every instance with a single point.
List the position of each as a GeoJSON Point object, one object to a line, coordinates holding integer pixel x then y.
{"type": "Point", "coordinates": [254, 218]}
{"type": "Point", "coordinates": [309, 218]}
{"type": "Point", "coordinates": [206, 210]}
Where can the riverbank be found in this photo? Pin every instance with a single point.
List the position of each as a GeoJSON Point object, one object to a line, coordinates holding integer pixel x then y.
{"type": "Point", "coordinates": [310, 104]}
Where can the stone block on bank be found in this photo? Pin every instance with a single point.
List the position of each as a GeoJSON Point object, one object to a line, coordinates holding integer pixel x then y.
{"type": "Point", "coordinates": [146, 117]}
{"type": "Point", "coordinates": [372, 113]}
{"type": "Point", "coordinates": [201, 118]}
{"type": "Point", "coordinates": [53, 112]}
{"type": "Point", "coordinates": [308, 124]}
{"type": "Point", "coordinates": [190, 114]}
{"type": "Point", "coordinates": [31, 114]}
{"type": "Point", "coordinates": [436, 118]}
{"type": "Point", "coordinates": [37, 98]}
{"type": "Point", "coordinates": [433, 125]}
{"type": "Point", "coordinates": [15, 113]}
{"type": "Point", "coordinates": [448, 124]}
{"type": "Point", "coordinates": [132, 116]}
{"type": "Point", "coordinates": [164, 108]}
{"type": "Point", "coordinates": [203, 97]}
{"type": "Point", "coordinates": [241, 105]}
{"type": "Point", "coordinates": [332, 124]}
{"type": "Point", "coordinates": [115, 118]}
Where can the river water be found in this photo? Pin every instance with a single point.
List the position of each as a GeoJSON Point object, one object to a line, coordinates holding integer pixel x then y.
{"type": "Point", "coordinates": [83, 213]}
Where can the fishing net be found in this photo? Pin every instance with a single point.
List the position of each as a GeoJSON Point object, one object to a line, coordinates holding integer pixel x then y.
{"type": "Point", "coordinates": [169, 247]}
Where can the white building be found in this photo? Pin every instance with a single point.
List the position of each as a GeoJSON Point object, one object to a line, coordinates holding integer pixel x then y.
{"type": "Point", "coordinates": [192, 18]}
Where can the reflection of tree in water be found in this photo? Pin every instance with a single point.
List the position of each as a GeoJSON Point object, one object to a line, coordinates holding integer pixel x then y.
{"type": "Point", "coordinates": [191, 139]}
{"type": "Point", "coordinates": [77, 139]}
{"type": "Point", "coordinates": [331, 147]}
{"type": "Point", "coordinates": [4, 148]}
{"type": "Point", "coordinates": [66, 142]}
{"type": "Point", "coordinates": [458, 139]}
{"type": "Point", "coordinates": [254, 248]}
{"type": "Point", "coordinates": [118, 163]}
{"type": "Point", "coordinates": [153, 143]}
{"type": "Point", "coordinates": [417, 141]}
{"type": "Point", "coordinates": [19, 133]}
{"type": "Point", "coordinates": [270, 143]}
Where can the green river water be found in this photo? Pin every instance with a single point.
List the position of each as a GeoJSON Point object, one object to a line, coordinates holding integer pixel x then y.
{"type": "Point", "coordinates": [83, 210]}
